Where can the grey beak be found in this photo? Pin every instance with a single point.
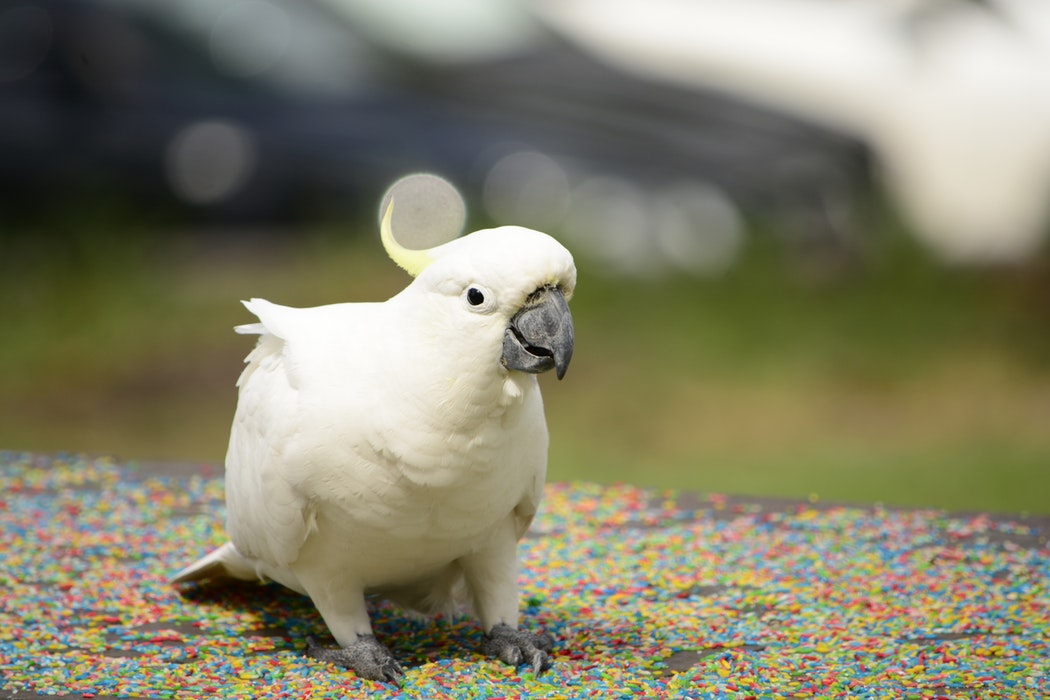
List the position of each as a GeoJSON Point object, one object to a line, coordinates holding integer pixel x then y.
{"type": "Point", "coordinates": [540, 336]}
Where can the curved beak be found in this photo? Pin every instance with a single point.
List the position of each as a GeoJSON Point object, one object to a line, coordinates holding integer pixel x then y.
{"type": "Point", "coordinates": [540, 336]}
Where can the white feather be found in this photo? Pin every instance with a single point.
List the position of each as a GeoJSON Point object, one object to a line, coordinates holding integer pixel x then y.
{"type": "Point", "coordinates": [383, 447]}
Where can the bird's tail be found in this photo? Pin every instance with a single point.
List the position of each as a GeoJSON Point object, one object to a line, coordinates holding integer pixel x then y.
{"type": "Point", "coordinates": [222, 564]}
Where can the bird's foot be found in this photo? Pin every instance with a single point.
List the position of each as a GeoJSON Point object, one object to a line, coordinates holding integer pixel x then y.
{"type": "Point", "coordinates": [366, 657]}
{"type": "Point", "coordinates": [516, 647]}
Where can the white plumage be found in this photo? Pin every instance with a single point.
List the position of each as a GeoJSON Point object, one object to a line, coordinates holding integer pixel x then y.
{"type": "Point", "coordinates": [401, 447]}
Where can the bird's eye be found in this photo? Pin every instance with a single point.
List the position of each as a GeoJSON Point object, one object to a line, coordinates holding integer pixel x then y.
{"type": "Point", "coordinates": [479, 299]}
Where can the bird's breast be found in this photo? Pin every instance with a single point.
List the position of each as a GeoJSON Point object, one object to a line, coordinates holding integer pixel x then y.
{"type": "Point", "coordinates": [416, 472]}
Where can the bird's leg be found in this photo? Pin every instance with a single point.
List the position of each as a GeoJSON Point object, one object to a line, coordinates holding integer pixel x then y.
{"type": "Point", "coordinates": [492, 577]}
{"type": "Point", "coordinates": [345, 613]}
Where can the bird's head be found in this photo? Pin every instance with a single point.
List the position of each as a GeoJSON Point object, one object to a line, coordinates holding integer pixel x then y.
{"type": "Point", "coordinates": [502, 290]}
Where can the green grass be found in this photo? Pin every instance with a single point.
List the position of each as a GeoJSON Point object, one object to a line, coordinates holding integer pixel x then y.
{"type": "Point", "coordinates": [997, 476]}
{"type": "Point", "coordinates": [891, 380]}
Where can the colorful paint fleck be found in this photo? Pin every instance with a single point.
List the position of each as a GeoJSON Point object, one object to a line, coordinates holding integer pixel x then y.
{"type": "Point", "coordinates": [646, 597]}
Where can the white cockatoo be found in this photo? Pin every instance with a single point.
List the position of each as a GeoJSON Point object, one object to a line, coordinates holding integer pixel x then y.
{"type": "Point", "coordinates": [401, 447]}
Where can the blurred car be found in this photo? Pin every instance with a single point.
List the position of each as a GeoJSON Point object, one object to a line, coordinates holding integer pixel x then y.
{"type": "Point", "coordinates": [952, 96]}
{"type": "Point", "coordinates": [289, 109]}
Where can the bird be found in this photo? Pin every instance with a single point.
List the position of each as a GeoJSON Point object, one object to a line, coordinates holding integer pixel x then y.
{"type": "Point", "coordinates": [400, 448]}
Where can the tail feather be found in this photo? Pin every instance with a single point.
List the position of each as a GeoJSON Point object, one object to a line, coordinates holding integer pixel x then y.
{"type": "Point", "coordinates": [222, 564]}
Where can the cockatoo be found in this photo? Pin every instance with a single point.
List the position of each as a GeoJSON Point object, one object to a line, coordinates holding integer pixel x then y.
{"type": "Point", "coordinates": [400, 448]}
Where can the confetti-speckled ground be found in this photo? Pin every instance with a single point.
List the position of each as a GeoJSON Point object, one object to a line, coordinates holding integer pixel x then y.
{"type": "Point", "coordinates": [647, 595]}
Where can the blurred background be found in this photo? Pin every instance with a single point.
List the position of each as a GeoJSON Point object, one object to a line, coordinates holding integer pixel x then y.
{"type": "Point", "coordinates": [810, 233]}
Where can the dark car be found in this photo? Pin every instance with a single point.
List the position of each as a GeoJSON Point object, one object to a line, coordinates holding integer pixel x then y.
{"type": "Point", "coordinates": [289, 110]}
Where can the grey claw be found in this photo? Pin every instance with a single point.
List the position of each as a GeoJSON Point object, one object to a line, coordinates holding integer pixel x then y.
{"type": "Point", "coordinates": [515, 647]}
{"type": "Point", "coordinates": [539, 658]}
{"type": "Point", "coordinates": [366, 657]}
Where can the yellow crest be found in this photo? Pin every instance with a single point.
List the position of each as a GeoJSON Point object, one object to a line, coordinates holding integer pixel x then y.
{"type": "Point", "coordinates": [412, 261]}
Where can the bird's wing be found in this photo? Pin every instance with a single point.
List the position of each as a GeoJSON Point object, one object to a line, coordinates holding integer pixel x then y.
{"type": "Point", "coordinates": [536, 438]}
{"type": "Point", "coordinates": [268, 518]}
{"type": "Point", "coordinates": [526, 509]}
